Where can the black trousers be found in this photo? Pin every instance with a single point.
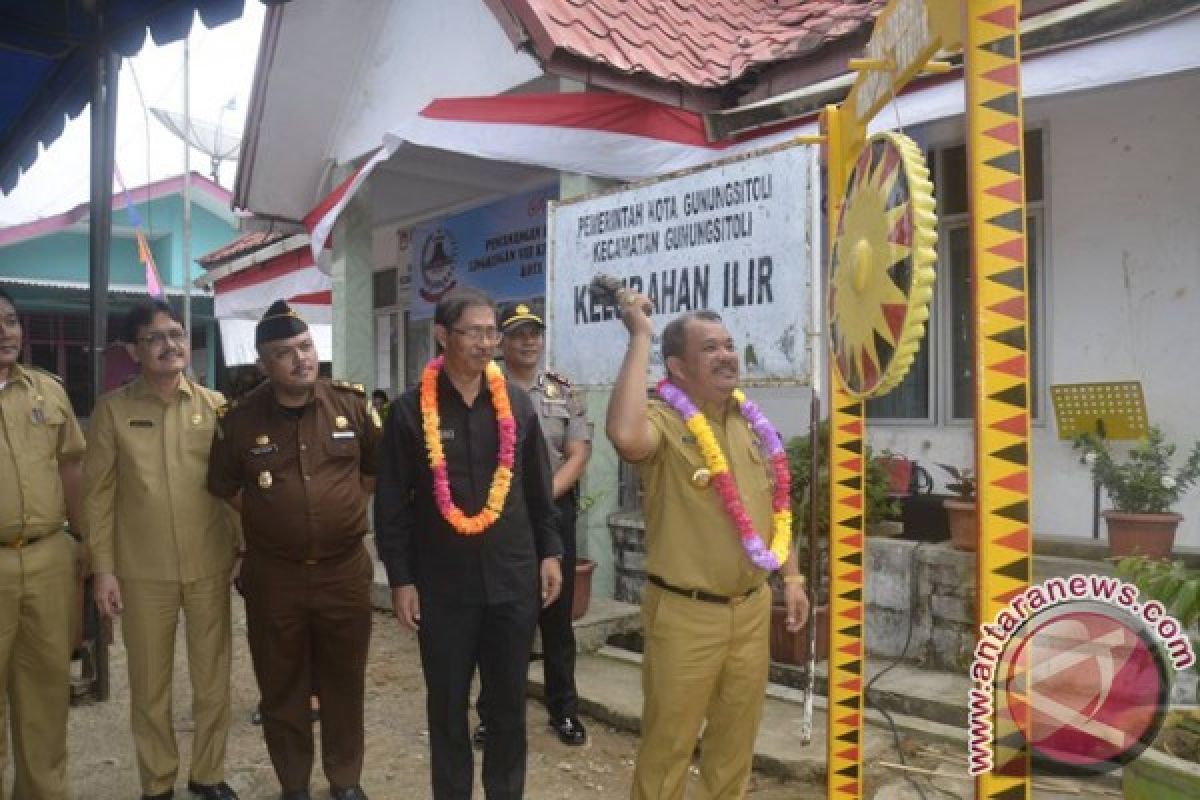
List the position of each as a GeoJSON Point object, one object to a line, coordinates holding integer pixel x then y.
{"type": "Point", "coordinates": [453, 640]}
{"type": "Point", "coordinates": [558, 634]}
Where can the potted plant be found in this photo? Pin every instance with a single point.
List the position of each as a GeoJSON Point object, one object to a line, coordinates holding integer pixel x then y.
{"type": "Point", "coordinates": [1143, 487]}
{"type": "Point", "coordinates": [961, 517]}
{"type": "Point", "coordinates": [787, 647]}
{"type": "Point", "coordinates": [1171, 769]}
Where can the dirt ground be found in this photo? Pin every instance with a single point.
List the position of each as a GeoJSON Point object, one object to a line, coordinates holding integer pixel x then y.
{"type": "Point", "coordinates": [102, 765]}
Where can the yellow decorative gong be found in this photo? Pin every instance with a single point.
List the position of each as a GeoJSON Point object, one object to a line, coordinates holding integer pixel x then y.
{"type": "Point", "coordinates": [881, 272]}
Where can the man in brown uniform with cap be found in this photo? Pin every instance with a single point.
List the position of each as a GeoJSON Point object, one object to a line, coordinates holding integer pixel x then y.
{"type": "Point", "coordinates": [40, 450]}
{"type": "Point", "coordinates": [161, 544]}
{"type": "Point", "coordinates": [297, 456]}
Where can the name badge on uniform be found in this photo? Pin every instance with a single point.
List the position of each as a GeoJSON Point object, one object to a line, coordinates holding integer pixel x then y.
{"type": "Point", "coordinates": [264, 449]}
{"type": "Point", "coordinates": [688, 439]}
{"type": "Point", "coordinates": [447, 434]}
{"type": "Point", "coordinates": [343, 434]}
{"type": "Point", "coordinates": [141, 423]}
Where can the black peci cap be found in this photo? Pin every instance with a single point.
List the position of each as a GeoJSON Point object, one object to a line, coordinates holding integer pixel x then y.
{"type": "Point", "coordinates": [280, 322]}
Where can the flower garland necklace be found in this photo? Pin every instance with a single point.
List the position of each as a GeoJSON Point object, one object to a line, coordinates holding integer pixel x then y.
{"type": "Point", "coordinates": [506, 427]}
{"type": "Point", "coordinates": [722, 479]}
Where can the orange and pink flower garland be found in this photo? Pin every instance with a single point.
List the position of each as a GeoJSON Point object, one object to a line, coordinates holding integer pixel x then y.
{"type": "Point", "coordinates": [506, 428]}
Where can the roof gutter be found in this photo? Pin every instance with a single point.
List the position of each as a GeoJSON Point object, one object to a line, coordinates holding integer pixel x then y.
{"type": "Point", "coordinates": [1045, 32]}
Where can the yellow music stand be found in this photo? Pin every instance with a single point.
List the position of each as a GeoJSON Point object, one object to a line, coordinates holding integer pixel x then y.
{"type": "Point", "coordinates": [1115, 410]}
{"type": "Point", "coordinates": [1109, 410]}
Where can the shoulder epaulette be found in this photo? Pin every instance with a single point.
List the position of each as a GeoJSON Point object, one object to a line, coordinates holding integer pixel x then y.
{"type": "Point", "coordinates": [46, 373]}
{"type": "Point", "coordinates": [557, 378]}
{"type": "Point", "coordinates": [347, 386]}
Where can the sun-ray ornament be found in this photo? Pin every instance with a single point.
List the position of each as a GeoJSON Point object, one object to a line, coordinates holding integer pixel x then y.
{"type": "Point", "coordinates": [881, 273]}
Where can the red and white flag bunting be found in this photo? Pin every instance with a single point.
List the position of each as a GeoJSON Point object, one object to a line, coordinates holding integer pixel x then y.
{"type": "Point", "coordinates": [603, 135]}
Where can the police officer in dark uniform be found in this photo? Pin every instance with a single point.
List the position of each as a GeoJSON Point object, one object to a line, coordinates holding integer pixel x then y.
{"type": "Point", "coordinates": [297, 457]}
{"type": "Point", "coordinates": [563, 417]}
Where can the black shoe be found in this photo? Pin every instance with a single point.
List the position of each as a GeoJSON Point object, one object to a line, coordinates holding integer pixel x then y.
{"type": "Point", "coordinates": [479, 737]}
{"type": "Point", "coordinates": [353, 793]}
{"type": "Point", "coordinates": [299, 794]}
{"type": "Point", "coordinates": [212, 791]}
{"type": "Point", "coordinates": [167, 795]}
{"type": "Point", "coordinates": [570, 730]}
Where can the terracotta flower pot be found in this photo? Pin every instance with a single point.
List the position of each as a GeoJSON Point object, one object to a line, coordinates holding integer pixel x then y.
{"type": "Point", "coordinates": [583, 587]}
{"type": "Point", "coordinates": [1150, 535]}
{"type": "Point", "coordinates": [789, 648]}
{"type": "Point", "coordinates": [961, 519]}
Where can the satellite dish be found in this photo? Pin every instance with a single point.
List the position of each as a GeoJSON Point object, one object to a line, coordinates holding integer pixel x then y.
{"type": "Point", "coordinates": [218, 144]}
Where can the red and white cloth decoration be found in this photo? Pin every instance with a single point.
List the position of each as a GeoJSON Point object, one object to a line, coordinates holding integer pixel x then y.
{"type": "Point", "coordinates": [242, 298]}
{"type": "Point", "coordinates": [604, 135]}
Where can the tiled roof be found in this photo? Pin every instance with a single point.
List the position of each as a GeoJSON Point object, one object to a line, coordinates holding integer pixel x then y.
{"type": "Point", "coordinates": [240, 246]}
{"type": "Point", "coordinates": [700, 43]}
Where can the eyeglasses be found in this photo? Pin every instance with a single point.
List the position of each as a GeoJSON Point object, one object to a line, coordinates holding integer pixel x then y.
{"type": "Point", "coordinates": [160, 338]}
{"type": "Point", "coordinates": [479, 334]}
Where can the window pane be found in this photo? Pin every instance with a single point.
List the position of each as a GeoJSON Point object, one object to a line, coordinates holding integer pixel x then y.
{"type": "Point", "coordinates": [1033, 166]}
{"type": "Point", "coordinates": [953, 186]}
{"type": "Point", "coordinates": [909, 400]}
{"type": "Point", "coordinates": [958, 275]}
{"type": "Point", "coordinates": [383, 288]}
{"type": "Point", "coordinates": [962, 361]}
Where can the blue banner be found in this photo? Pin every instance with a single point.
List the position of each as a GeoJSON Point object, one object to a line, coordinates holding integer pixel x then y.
{"type": "Point", "coordinates": [498, 248]}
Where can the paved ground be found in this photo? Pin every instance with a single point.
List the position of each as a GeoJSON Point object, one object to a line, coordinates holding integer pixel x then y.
{"type": "Point", "coordinates": [102, 763]}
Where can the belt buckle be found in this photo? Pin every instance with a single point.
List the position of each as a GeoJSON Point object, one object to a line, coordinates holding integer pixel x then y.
{"type": "Point", "coordinates": [310, 562]}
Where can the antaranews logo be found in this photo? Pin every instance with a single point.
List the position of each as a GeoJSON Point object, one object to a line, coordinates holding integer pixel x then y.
{"type": "Point", "coordinates": [1078, 670]}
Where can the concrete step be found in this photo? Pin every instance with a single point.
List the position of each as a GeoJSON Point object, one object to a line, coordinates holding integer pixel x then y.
{"type": "Point", "coordinates": [1046, 567]}
{"type": "Point", "coordinates": [610, 690]}
{"type": "Point", "coordinates": [605, 617]}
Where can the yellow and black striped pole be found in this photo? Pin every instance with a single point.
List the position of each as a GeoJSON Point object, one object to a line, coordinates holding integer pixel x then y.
{"type": "Point", "coordinates": [846, 451]}
{"type": "Point", "coordinates": [992, 63]}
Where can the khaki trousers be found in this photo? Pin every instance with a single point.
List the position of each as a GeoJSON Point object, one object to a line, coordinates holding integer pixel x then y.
{"type": "Point", "coordinates": [37, 601]}
{"type": "Point", "coordinates": [703, 662]}
{"type": "Point", "coordinates": [148, 625]}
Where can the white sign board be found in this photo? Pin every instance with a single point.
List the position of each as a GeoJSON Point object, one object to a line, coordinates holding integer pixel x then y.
{"type": "Point", "coordinates": [733, 237]}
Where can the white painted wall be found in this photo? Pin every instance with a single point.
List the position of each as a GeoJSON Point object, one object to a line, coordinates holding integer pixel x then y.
{"type": "Point", "coordinates": [1122, 281]}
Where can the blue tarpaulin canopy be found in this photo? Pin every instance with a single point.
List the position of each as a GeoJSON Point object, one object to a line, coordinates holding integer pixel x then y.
{"type": "Point", "coordinates": [57, 56]}
{"type": "Point", "coordinates": [48, 55]}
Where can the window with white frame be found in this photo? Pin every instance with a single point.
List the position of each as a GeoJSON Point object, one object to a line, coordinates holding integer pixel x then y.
{"type": "Point", "coordinates": [940, 387]}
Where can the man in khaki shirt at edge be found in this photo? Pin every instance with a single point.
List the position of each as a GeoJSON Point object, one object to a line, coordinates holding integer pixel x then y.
{"type": "Point", "coordinates": [40, 450]}
{"type": "Point", "coordinates": [161, 544]}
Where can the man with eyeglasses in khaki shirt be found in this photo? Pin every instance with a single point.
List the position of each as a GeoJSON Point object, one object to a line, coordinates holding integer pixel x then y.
{"type": "Point", "coordinates": [162, 544]}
